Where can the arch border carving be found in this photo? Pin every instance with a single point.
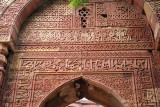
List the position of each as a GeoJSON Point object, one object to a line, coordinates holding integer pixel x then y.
{"type": "Point", "coordinates": [90, 82]}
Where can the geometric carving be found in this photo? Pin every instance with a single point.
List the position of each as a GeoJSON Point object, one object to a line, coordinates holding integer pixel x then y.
{"type": "Point", "coordinates": [84, 13]}
{"type": "Point", "coordinates": [86, 36]}
{"type": "Point", "coordinates": [14, 61]}
{"type": "Point", "coordinates": [63, 48]}
{"type": "Point", "coordinates": [156, 74]}
{"type": "Point", "coordinates": [145, 88]}
{"type": "Point", "coordinates": [58, 44]}
{"type": "Point", "coordinates": [107, 64]}
{"type": "Point", "coordinates": [109, 79]}
{"type": "Point", "coordinates": [4, 38]}
{"type": "Point", "coordinates": [156, 8]}
{"type": "Point", "coordinates": [128, 72]}
{"type": "Point", "coordinates": [4, 4]}
{"type": "Point", "coordinates": [158, 94]}
{"type": "Point", "coordinates": [84, 61]}
{"type": "Point", "coordinates": [113, 25]}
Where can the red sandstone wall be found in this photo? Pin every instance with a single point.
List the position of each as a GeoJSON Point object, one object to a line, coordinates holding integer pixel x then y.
{"type": "Point", "coordinates": [53, 41]}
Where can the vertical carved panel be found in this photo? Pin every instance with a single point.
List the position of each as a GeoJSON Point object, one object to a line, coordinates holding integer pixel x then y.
{"type": "Point", "coordinates": [156, 73]}
{"type": "Point", "coordinates": [10, 88]}
{"type": "Point", "coordinates": [145, 90]}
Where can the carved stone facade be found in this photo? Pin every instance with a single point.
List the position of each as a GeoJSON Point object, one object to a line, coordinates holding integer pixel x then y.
{"type": "Point", "coordinates": [37, 74]}
{"type": "Point", "coordinates": [124, 28]}
{"type": "Point", "coordinates": [109, 43]}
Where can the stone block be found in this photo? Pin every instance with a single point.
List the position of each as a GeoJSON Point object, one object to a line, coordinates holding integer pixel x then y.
{"type": "Point", "coordinates": [154, 24]}
{"type": "Point", "coordinates": [152, 19]}
{"type": "Point", "coordinates": [23, 14]}
{"type": "Point", "coordinates": [3, 60]}
{"type": "Point", "coordinates": [14, 34]}
{"type": "Point", "coordinates": [17, 23]}
{"type": "Point", "coordinates": [139, 4]}
{"type": "Point", "coordinates": [158, 38]}
{"type": "Point", "coordinates": [1, 78]}
{"type": "Point", "coordinates": [31, 6]}
{"type": "Point", "coordinates": [148, 11]}
{"type": "Point", "coordinates": [129, 1]}
{"type": "Point", "coordinates": [3, 49]}
{"type": "Point", "coordinates": [39, 2]}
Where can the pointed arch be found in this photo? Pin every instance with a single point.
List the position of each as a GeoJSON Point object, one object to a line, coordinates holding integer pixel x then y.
{"type": "Point", "coordinates": [81, 87]}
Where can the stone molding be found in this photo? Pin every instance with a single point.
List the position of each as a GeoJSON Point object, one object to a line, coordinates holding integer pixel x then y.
{"type": "Point", "coordinates": [3, 62]}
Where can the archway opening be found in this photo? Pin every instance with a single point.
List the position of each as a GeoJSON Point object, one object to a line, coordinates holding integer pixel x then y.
{"type": "Point", "coordinates": [84, 103]}
{"type": "Point", "coordinates": [77, 89]}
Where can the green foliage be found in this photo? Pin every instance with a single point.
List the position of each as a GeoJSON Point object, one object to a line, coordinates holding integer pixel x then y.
{"type": "Point", "coordinates": [78, 3]}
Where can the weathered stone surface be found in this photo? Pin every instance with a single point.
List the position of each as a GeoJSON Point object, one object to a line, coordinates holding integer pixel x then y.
{"type": "Point", "coordinates": [61, 28]}
{"type": "Point", "coordinates": [51, 70]}
{"type": "Point", "coordinates": [3, 62]}
{"type": "Point", "coordinates": [105, 45]}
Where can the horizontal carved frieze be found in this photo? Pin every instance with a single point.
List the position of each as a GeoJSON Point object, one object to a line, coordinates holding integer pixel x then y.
{"type": "Point", "coordinates": [99, 26]}
{"type": "Point", "coordinates": [106, 35]}
{"type": "Point", "coordinates": [107, 64]}
{"type": "Point", "coordinates": [84, 61]}
{"type": "Point", "coordinates": [83, 47]}
{"type": "Point", "coordinates": [86, 54]}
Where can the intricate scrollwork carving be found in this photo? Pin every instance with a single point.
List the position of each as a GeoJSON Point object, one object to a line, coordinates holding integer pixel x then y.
{"type": "Point", "coordinates": [59, 25]}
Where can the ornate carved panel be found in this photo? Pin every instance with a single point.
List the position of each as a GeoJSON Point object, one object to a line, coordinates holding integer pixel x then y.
{"type": "Point", "coordinates": [104, 78]}
{"type": "Point", "coordinates": [155, 5]}
{"type": "Point", "coordinates": [38, 73]}
{"type": "Point", "coordinates": [99, 26]}
{"type": "Point", "coordinates": [58, 43]}
{"type": "Point", "coordinates": [4, 4]}
{"type": "Point", "coordinates": [156, 67]}
{"type": "Point", "coordinates": [84, 61]}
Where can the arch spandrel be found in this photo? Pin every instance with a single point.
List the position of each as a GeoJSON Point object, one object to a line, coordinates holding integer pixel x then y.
{"type": "Point", "coordinates": [38, 74]}
{"type": "Point", "coordinates": [80, 87]}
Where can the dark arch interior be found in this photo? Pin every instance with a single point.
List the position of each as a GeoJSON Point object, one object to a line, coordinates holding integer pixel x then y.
{"type": "Point", "coordinates": [77, 89]}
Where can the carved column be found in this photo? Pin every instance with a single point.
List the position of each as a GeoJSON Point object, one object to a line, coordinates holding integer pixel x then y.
{"type": "Point", "coordinates": [3, 62]}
